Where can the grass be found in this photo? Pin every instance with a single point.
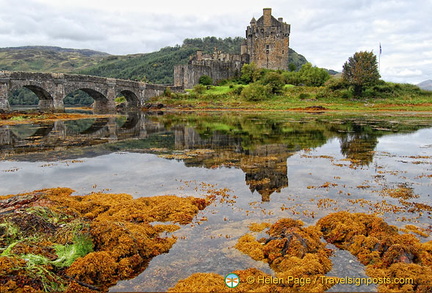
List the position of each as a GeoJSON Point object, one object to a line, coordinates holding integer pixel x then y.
{"type": "Point", "coordinates": [386, 96]}
{"type": "Point", "coordinates": [17, 118]}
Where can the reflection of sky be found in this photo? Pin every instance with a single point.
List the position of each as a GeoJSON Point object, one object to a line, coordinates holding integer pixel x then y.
{"type": "Point", "coordinates": [412, 144]}
{"type": "Point", "coordinates": [134, 173]}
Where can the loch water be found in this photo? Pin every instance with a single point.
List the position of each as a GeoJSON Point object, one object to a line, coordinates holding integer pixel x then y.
{"type": "Point", "coordinates": [273, 164]}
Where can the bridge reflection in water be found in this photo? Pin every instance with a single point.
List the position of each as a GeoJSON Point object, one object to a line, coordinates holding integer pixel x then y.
{"type": "Point", "coordinates": [259, 147]}
{"type": "Point", "coordinates": [61, 135]}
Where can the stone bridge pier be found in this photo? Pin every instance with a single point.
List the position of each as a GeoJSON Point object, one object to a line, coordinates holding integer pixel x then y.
{"type": "Point", "coordinates": [52, 88]}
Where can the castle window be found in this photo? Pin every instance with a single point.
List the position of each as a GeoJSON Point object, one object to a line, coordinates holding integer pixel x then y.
{"type": "Point", "coordinates": [283, 52]}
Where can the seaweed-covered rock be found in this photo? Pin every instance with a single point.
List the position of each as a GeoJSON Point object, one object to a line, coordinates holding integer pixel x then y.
{"type": "Point", "coordinates": [292, 251]}
{"type": "Point", "coordinates": [380, 247]}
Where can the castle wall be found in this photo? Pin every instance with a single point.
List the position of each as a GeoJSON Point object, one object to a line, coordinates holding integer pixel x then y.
{"type": "Point", "coordinates": [189, 75]}
{"type": "Point", "coordinates": [270, 53]}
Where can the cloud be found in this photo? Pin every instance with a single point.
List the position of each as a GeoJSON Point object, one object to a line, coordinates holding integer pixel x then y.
{"type": "Point", "coordinates": [327, 33]}
{"type": "Point", "coordinates": [404, 72]}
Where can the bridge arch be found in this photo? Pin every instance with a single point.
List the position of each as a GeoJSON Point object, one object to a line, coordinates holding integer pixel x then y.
{"type": "Point", "coordinates": [101, 102]}
{"type": "Point", "coordinates": [131, 98]}
{"type": "Point", "coordinates": [46, 100]}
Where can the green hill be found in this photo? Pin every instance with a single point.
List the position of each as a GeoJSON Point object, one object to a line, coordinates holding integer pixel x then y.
{"type": "Point", "coordinates": [48, 59]}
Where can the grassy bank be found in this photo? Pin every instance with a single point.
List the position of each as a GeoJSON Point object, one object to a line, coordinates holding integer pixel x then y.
{"type": "Point", "coordinates": [383, 97]}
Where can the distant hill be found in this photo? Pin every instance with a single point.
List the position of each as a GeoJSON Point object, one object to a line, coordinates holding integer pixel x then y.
{"type": "Point", "coordinates": [155, 67]}
{"type": "Point", "coordinates": [426, 85]}
{"type": "Point", "coordinates": [48, 59]}
{"type": "Point", "coordinates": [158, 67]}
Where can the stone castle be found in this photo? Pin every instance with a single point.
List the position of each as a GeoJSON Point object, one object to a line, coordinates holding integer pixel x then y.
{"type": "Point", "coordinates": [266, 44]}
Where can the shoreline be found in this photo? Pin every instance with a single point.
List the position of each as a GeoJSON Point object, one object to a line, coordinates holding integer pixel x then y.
{"type": "Point", "coordinates": [16, 118]}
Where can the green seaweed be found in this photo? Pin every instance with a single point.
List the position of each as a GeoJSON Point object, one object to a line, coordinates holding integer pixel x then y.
{"type": "Point", "coordinates": [67, 254]}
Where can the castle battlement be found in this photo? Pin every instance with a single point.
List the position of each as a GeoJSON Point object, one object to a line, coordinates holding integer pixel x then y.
{"type": "Point", "coordinates": [216, 56]}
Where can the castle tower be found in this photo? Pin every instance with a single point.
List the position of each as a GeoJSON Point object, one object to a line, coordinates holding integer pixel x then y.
{"type": "Point", "coordinates": [267, 41]}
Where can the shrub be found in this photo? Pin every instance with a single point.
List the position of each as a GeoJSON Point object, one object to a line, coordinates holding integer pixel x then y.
{"type": "Point", "coordinates": [275, 81]}
{"type": "Point", "coordinates": [237, 91]}
{"type": "Point", "coordinates": [120, 100]}
{"type": "Point", "coordinates": [312, 75]}
{"type": "Point", "coordinates": [256, 92]}
{"type": "Point", "coordinates": [251, 73]}
{"type": "Point", "coordinates": [199, 89]}
{"type": "Point", "coordinates": [346, 94]}
{"type": "Point", "coordinates": [292, 77]}
{"type": "Point", "coordinates": [307, 75]}
{"type": "Point", "coordinates": [335, 83]}
{"type": "Point", "coordinates": [168, 92]}
{"type": "Point", "coordinates": [304, 96]}
{"type": "Point", "coordinates": [205, 80]}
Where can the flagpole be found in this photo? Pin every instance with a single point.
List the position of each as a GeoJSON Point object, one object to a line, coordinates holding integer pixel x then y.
{"type": "Point", "coordinates": [379, 58]}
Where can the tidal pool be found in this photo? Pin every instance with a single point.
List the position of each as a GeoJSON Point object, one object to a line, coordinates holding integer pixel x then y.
{"type": "Point", "coordinates": [272, 166]}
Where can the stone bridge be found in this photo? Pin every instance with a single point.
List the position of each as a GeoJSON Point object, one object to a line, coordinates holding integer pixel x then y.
{"type": "Point", "coordinates": [52, 88]}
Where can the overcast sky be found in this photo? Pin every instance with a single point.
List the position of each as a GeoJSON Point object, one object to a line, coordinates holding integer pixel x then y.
{"type": "Point", "coordinates": [326, 32]}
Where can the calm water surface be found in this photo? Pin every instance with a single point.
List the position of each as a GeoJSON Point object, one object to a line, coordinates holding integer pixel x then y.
{"type": "Point", "coordinates": [274, 165]}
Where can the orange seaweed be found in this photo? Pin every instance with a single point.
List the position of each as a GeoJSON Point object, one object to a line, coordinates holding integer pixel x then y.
{"type": "Point", "coordinates": [211, 282]}
{"type": "Point", "coordinates": [96, 268]}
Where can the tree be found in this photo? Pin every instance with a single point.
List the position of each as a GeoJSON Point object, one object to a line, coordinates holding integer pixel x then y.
{"type": "Point", "coordinates": [361, 71]}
